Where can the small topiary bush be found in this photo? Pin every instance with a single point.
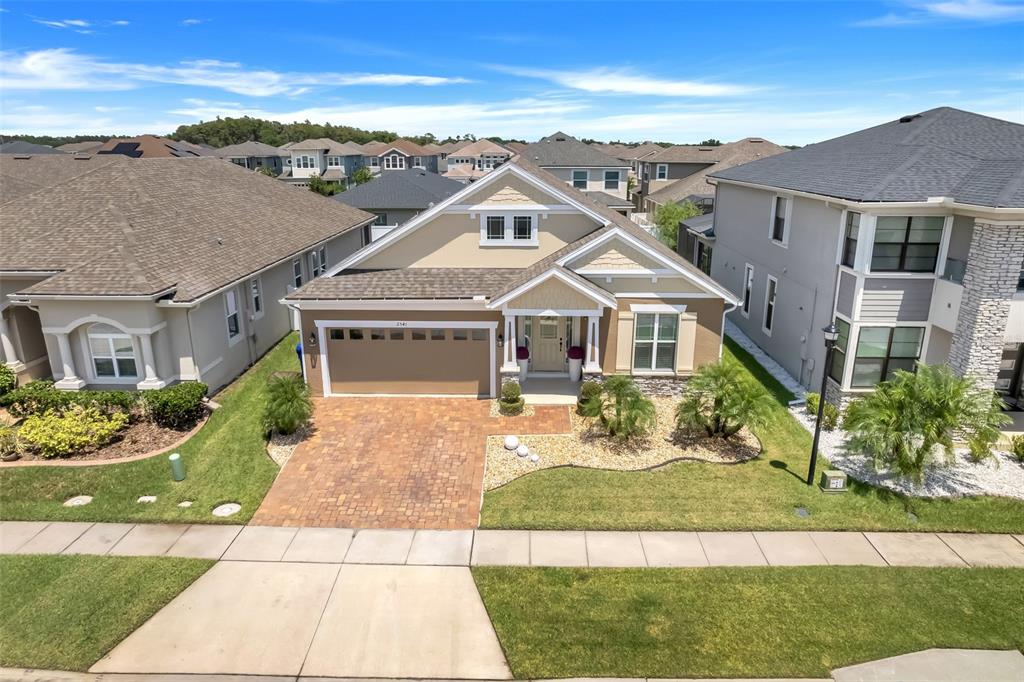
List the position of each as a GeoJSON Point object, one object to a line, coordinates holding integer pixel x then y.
{"type": "Point", "coordinates": [589, 389]}
{"type": "Point", "coordinates": [40, 397]}
{"type": "Point", "coordinates": [812, 402]}
{"type": "Point", "coordinates": [511, 401]}
{"type": "Point", "coordinates": [56, 434]}
{"type": "Point", "coordinates": [176, 407]}
{"type": "Point", "coordinates": [8, 380]}
{"type": "Point", "coordinates": [1017, 448]}
{"type": "Point", "coordinates": [288, 406]}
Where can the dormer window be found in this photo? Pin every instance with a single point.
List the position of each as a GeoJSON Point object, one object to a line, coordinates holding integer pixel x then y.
{"type": "Point", "coordinates": [508, 229]}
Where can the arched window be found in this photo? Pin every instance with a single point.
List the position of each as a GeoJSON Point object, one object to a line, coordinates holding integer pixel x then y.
{"type": "Point", "coordinates": [113, 355]}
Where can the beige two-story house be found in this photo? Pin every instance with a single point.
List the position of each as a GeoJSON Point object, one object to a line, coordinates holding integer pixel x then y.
{"type": "Point", "coordinates": [518, 260]}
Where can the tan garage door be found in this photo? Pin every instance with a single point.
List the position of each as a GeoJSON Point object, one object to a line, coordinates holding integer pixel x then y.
{"type": "Point", "coordinates": [438, 360]}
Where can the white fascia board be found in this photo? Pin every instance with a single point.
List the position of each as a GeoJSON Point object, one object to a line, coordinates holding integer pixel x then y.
{"type": "Point", "coordinates": [456, 199]}
{"type": "Point", "coordinates": [603, 298]}
{"type": "Point", "coordinates": [388, 304]}
{"type": "Point", "coordinates": [656, 308]}
{"type": "Point", "coordinates": [705, 283]}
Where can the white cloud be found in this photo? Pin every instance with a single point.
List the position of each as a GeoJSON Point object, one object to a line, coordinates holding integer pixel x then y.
{"type": "Point", "coordinates": [64, 23]}
{"type": "Point", "coordinates": [624, 81]}
{"type": "Point", "coordinates": [192, 22]}
{"type": "Point", "coordinates": [990, 11]}
{"type": "Point", "coordinates": [65, 69]}
{"type": "Point", "coordinates": [891, 20]}
{"type": "Point", "coordinates": [120, 22]}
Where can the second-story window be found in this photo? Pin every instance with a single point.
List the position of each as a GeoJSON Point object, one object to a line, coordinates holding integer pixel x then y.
{"type": "Point", "coordinates": [906, 243]}
{"type": "Point", "coordinates": [850, 238]}
{"type": "Point", "coordinates": [522, 227]}
{"type": "Point", "coordinates": [297, 273]}
{"type": "Point", "coordinates": [333, 161]}
{"type": "Point", "coordinates": [495, 228]}
{"type": "Point", "coordinates": [580, 179]}
{"type": "Point", "coordinates": [662, 172]}
{"type": "Point", "coordinates": [611, 180]}
{"type": "Point", "coordinates": [318, 261]}
{"type": "Point", "coordinates": [780, 220]}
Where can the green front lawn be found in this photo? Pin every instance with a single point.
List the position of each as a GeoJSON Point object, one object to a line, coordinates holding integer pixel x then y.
{"type": "Point", "coordinates": [741, 622]}
{"type": "Point", "coordinates": [226, 461]}
{"type": "Point", "coordinates": [67, 612]}
{"type": "Point", "coordinates": [760, 494]}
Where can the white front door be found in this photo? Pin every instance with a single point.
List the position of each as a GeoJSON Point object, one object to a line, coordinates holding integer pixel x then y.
{"type": "Point", "coordinates": [548, 344]}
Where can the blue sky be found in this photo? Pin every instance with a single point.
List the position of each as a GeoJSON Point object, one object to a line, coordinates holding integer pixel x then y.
{"type": "Point", "coordinates": [793, 72]}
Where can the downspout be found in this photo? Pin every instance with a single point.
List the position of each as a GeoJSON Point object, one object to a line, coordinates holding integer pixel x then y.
{"type": "Point", "coordinates": [725, 311]}
{"type": "Point", "coordinates": [191, 343]}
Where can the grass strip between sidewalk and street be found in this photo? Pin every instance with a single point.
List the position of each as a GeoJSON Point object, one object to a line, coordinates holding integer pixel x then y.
{"type": "Point", "coordinates": [761, 494]}
{"type": "Point", "coordinates": [66, 612]}
{"type": "Point", "coordinates": [742, 622]}
{"type": "Point", "coordinates": [226, 461]}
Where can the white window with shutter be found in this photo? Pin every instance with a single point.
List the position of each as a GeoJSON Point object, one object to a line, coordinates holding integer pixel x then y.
{"type": "Point", "coordinates": [234, 320]}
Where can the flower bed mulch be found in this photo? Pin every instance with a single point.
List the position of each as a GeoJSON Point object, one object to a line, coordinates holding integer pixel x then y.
{"type": "Point", "coordinates": [139, 438]}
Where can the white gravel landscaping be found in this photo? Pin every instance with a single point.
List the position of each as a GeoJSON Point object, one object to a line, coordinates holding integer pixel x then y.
{"type": "Point", "coordinates": [281, 446]}
{"type": "Point", "coordinates": [1003, 476]}
{"type": "Point", "coordinates": [589, 447]}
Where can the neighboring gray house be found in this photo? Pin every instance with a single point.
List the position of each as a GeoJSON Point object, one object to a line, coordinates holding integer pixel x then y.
{"type": "Point", "coordinates": [909, 235]}
{"type": "Point", "coordinates": [398, 196]}
{"type": "Point", "coordinates": [333, 161]}
{"type": "Point", "coordinates": [583, 166]}
{"type": "Point", "coordinates": [254, 155]}
{"type": "Point", "coordinates": [138, 273]}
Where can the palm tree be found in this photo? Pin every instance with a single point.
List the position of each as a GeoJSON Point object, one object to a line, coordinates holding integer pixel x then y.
{"type": "Point", "coordinates": [621, 408]}
{"type": "Point", "coordinates": [914, 418]}
{"type": "Point", "coordinates": [721, 399]}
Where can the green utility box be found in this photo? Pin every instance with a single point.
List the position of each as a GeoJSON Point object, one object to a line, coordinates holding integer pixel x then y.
{"type": "Point", "coordinates": [833, 481]}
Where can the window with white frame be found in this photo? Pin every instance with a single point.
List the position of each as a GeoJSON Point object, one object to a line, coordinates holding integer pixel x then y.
{"type": "Point", "coordinates": [234, 321]}
{"type": "Point", "coordinates": [748, 287]}
{"type": "Point", "coordinates": [113, 355]}
{"type": "Point", "coordinates": [333, 161]}
{"type": "Point", "coordinates": [522, 227]}
{"type": "Point", "coordinates": [394, 162]}
{"type": "Point", "coordinates": [318, 261]}
{"type": "Point", "coordinates": [850, 237]}
{"type": "Point", "coordinates": [580, 178]}
{"type": "Point", "coordinates": [769, 304]}
{"type": "Point", "coordinates": [611, 180]}
{"type": "Point", "coordinates": [297, 273]}
{"type": "Point", "coordinates": [494, 228]}
{"type": "Point", "coordinates": [374, 161]}
{"type": "Point", "coordinates": [417, 162]}
{"type": "Point", "coordinates": [256, 295]}
{"type": "Point", "coordinates": [305, 161]}
{"type": "Point", "coordinates": [654, 342]}
{"type": "Point", "coordinates": [907, 243]}
{"type": "Point", "coordinates": [382, 218]}
{"type": "Point", "coordinates": [780, 220]}
{"type": "Point", "coordinates": [662, 171]}
{"type": "Point", "coordinates": [881, 351]}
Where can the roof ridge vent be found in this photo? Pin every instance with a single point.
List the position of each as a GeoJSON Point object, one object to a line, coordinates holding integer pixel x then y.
{"type": "Point", "coordinates": [908, 119]}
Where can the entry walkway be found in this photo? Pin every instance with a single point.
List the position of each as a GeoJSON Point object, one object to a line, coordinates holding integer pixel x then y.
{"type": "Point", "coordinates": [513, 547]}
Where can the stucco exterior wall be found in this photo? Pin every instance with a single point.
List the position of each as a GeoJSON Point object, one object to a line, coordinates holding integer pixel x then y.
{"type": "Point", "coordinates": [805, 270]}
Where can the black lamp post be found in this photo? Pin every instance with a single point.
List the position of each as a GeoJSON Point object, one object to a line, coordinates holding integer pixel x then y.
{"type": "Point", "coordinates": [831, 334]}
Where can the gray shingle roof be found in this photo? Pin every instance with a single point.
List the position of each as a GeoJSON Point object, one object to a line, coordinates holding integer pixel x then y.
{"type": "Point", "coordinates": [942, 152]}
{"type": "Point", "coordinates": [141, 226]}
{"type": "Point", "coordinates": [609, 200]}
{"type": "Point", "coordinates": [407, 283]}
{"type": "Point", "coordinates": [415, 189]}
{"type": "Point", "coordinates": [729, 155]}
{"type": "Point", "coordinates": [250, 148]}
{"type": "Point", "coordinates": [22, 147]}
{"type": "Point", "coordinates": [560, 150]}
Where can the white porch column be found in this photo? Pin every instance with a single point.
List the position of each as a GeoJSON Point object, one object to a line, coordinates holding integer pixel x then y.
{"type": "Point", "coordinates": [509, 360]}
{"type": "Point", "coordinates": [149, 365]}
{"type": "Point", "coordinates": [7, 343]}
{"type": "Point", "coordinates": [592, 362]}
{"type": "Point", "coordinates": [70, 382]}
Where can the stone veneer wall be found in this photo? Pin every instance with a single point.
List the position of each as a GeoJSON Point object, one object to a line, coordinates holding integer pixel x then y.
{"type": "Point", "coordinates": [837, 396]}
{"type": "Point", "coordinates": [990, 282]}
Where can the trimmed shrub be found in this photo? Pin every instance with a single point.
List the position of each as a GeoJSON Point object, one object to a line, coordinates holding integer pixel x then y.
{"type": "Point", "coordinates": [812, 402]}
{"type": "Point", "coordinates": [176, 407]}
{"type": "Point", "coordinates": [622, 409]}
{"type": "Point", "coordinates": [8, 441]}
{"type": "Point", "coordinates": [8, 380]}
{"type": "Point", "coordinates": [589, 389]}
{"type": "Point", "coordinates": [511, 401]}
{"type": "Point", "coordinates": [40, 397]}
{"type": "Point", "coordinates": [288, 407]}
{"type": "Point", "coordinates": [1017, 448]}
{"type": "Point", "coordinates": [830, 415]}
{"type": "Point", "coordinates": [79, 429]}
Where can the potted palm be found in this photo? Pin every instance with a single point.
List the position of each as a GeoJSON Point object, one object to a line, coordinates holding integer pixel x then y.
{"type": "Point", "coordinates": [523, 360]}
{"type": "Point", "coordinates": [575, 356]}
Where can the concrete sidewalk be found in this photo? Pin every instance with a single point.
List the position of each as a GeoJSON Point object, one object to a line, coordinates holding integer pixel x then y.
{"type": "Point", "coordinates": [513, 547]}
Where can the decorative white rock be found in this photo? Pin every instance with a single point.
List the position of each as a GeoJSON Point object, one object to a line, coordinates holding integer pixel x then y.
{"type": "Point", "coordinates": [227, 509]}
{"type": "Point", "coordinates": [146, 499]}
{"type": "Point", "coordinates": [522, 451]}
{"type": "Point", "coordinates": [534, 458]}
{"type": "Point", "coordinates": [78, 501]}
{"type": "Point", "coordinates": [511, 442]}
{"type": "Point", "coordinates": [186, 504]}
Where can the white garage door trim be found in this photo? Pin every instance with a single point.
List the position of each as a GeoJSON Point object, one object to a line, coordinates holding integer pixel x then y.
{"type": "Point", "coordinates": [323, 325]}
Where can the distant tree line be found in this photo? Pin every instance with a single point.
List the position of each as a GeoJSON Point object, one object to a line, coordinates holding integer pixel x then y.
{"type": "Point", "coordinates": [56, 140]}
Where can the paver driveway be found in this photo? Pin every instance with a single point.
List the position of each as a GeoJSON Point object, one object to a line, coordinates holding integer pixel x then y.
{"type": "Point", "coordinates": [394, 463]}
